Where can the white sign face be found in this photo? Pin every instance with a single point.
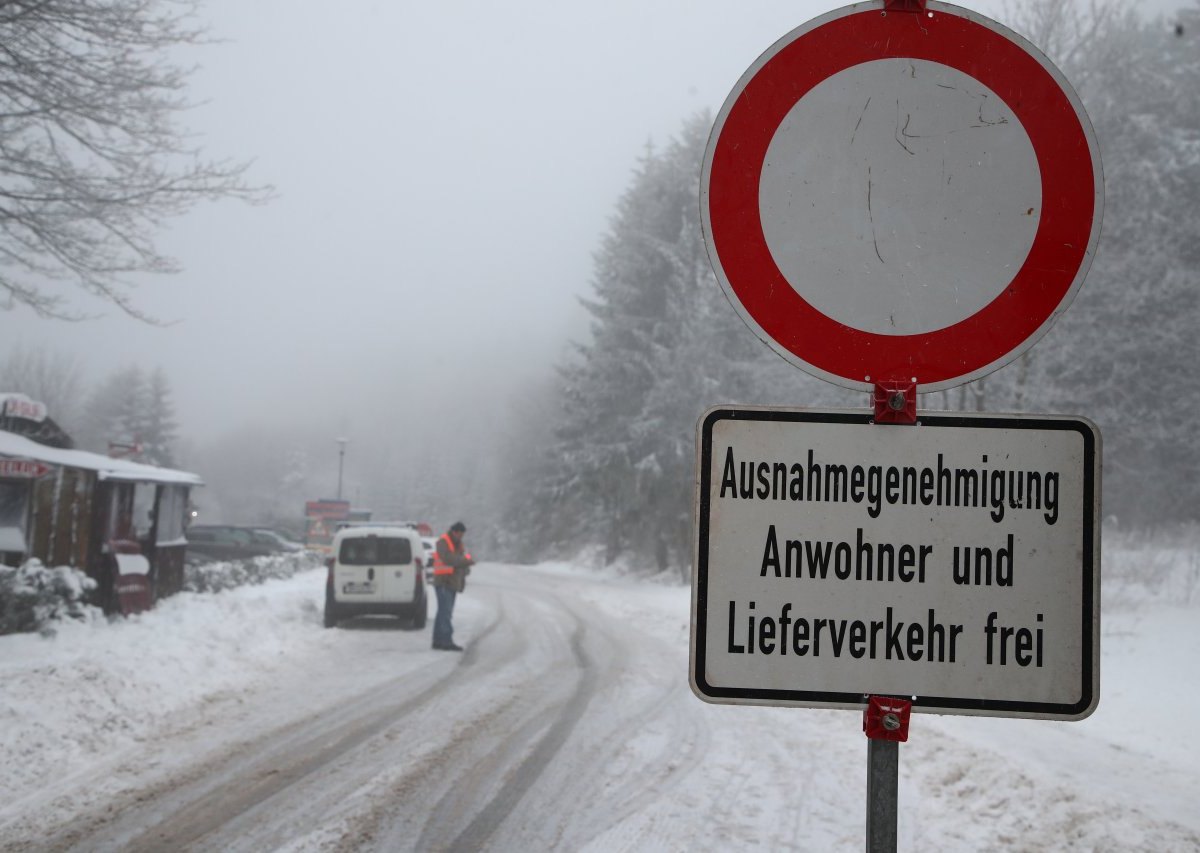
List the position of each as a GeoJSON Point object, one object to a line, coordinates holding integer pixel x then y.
{"type": "Point", "coordinates": [955, 562]}
{"type": "Point", "coordinates": [908, 221]}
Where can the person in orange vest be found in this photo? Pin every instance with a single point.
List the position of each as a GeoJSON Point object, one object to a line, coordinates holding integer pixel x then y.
{"type": "Point", "coordinates": [451, 565]}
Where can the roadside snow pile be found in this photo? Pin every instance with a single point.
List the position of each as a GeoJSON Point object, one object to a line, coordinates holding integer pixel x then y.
{"type": "Point", "coordinates": [34, 597]}
{"type": "Point", "coordinates": [94, 688]}
{"type": "Point", "coordinates": [37, 598]}
{"type": "Point", "coordinates": [214, 577]}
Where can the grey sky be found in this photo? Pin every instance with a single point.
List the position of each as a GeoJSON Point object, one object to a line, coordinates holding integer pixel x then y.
{"type": "Point", "coordinates": [444, 172]}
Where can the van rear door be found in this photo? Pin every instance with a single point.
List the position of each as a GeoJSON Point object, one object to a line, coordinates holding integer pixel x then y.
{"type": "Point", "coordinates": [357, 579]}
{"type": "Point", "coordinates": [397, 568]}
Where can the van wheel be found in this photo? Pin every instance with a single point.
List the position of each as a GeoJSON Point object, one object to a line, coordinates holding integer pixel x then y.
{"type": "Point", "coordinates": [420, 614]}
{"type": "Point", "coordinates": [331, 616]}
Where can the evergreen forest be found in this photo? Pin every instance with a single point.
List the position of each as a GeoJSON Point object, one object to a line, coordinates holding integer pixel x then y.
{"type": "Point", "coordinates": [615, 468]}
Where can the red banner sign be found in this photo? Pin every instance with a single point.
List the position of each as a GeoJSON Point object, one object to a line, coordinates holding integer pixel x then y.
{"type": "Point", "coordinates": [23, 468]}
{"type": "Point", "coordinates": [20, 406]}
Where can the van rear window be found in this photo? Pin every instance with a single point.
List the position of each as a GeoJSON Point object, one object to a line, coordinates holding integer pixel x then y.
{"type": "Point", "coordinates": [373, 550]}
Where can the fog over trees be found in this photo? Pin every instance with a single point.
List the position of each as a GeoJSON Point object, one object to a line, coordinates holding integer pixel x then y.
{"type": "Point", "coordinates": [1122, 353]}
{"type": "Point", "coordinates": [666, 345]}
{"type": "Point", "coordinates": [598, 454]}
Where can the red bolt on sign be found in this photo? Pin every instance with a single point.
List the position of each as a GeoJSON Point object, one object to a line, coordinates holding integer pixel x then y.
{"type": "Point", "coordinates": [886, 718]}
{"type": "Point", "coordinates": [895, 402]}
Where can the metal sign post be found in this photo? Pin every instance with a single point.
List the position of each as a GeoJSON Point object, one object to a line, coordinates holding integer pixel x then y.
{"type": "Point", "coordinates": [883, 770]}
{"type": "Point", "coordinates": [885, 722]}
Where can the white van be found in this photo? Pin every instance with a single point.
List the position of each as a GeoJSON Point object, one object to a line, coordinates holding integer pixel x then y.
{"type": "Point", "coordinates": [376, 569]}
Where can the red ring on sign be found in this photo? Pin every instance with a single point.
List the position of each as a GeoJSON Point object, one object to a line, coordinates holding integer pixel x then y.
{"type": "Point", "coordinates": [999, 329]}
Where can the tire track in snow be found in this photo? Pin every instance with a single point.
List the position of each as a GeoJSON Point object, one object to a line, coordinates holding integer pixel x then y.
{"type": "Point", "coordinates": [523, 778]}
{"type": "Point", "coordinates": [646, 741]}
{"type": "Point", "coordinates": [214, 794]}
{"type": "Point", "coordinates": [633, 742]}
{"type": "Point", "coordinates": [497, 722]}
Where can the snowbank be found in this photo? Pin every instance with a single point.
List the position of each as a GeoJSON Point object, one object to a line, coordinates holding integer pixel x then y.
{"type": "Point", "coordinates": [69, 703]}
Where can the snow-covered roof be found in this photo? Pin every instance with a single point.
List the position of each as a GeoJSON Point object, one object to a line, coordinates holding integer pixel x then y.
{"type": "Point", "coordinates": [124, 470]}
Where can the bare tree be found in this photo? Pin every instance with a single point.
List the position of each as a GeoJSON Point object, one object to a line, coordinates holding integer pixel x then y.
{"type": "Point", "coordinates": [92, 161]}
{"type": "Point", "coordinates": [1070, 31]}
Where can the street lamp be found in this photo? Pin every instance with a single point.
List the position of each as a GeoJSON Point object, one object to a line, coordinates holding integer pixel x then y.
{"type": "Point", "coordinates": [341, 459]}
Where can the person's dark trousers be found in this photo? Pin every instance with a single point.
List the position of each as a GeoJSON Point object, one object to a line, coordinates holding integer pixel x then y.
{"type": "Point", "coordinates": [443, 632]}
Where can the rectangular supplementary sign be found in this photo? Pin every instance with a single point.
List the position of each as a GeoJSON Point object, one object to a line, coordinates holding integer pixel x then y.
{"type": "Point", "coordinates": [955, 562]}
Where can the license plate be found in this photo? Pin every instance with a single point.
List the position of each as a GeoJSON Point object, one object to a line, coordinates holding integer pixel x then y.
{"type": "Point", "coordinates": [358, 588]}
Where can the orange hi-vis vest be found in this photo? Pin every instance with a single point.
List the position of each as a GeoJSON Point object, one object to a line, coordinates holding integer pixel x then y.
{"type": "Point", "coordinates": [439, 566]}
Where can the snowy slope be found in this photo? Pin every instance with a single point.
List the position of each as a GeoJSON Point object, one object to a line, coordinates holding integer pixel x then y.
{"type": "Point", "coordinates": [91, 714]}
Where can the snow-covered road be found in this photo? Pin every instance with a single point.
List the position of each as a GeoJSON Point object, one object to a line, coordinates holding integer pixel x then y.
{"type": "Point", "coordinates": [236, 722]}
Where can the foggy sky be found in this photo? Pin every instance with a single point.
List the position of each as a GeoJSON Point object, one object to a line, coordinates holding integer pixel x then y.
{"type": "Point", "coordinates": [443, 173]}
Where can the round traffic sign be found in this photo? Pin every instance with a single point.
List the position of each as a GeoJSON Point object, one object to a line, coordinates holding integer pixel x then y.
{"type": "Point", "coordinates": [894, 195]}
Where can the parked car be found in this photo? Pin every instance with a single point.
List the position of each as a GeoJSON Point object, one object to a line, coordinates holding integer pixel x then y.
{"type": "Point", "coordinates": [376, 570]}
{"type": "Point", "coordinates": [226, 542]}
{"type": "Point", "coordinates": [274, 539]}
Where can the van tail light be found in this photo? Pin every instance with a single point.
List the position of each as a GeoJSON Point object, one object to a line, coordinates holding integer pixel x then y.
{"type": "Point", "coordinates": [329, 569]}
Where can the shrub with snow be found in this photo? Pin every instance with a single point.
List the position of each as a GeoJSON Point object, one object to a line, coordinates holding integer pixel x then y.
{"type": "Point", "coordinates": [216, 576]}
{"type": "Point", "coordinates": [34, 597]}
